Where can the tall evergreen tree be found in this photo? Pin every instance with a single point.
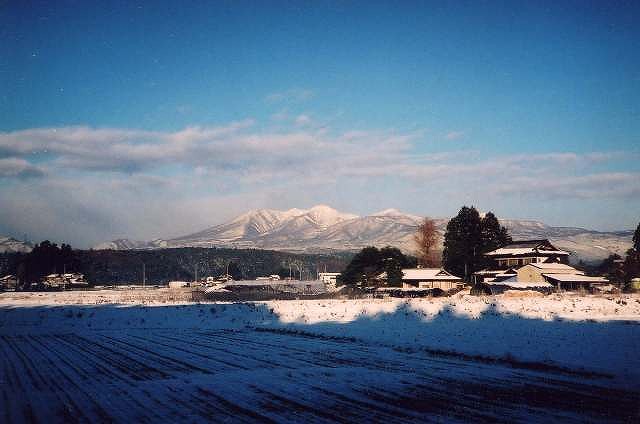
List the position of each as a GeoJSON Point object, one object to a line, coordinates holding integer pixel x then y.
{"type": "Point", "coordinates": [463, 242]}
{"type": "Point", "coordinates": [494, 236]}
{"type": "Point", "coordinates": [362, 267]}
{"type": "Point", "coordinates": [468, 238]}
{"type": "Point", "coordinates": [632, 261]}
{"type": "Point", "coordinates": [610, 268]}
{"type": "Point", "coordinates": [393, 260]}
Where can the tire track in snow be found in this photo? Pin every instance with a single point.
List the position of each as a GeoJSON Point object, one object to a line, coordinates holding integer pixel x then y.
{"type": "Point", "coordinates": [55, 367]}
{"type": "Point", "coordinates": [232, 365]}
{"type": "Point", "coordinates": [259, 376]}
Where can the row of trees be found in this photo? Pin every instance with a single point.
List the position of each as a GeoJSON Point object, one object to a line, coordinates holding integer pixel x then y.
{"type": "Point", "coordinates": [467, 238]}
{"type": "Point", "coordinates": [163, 265]}
{"type": "Point", "coordinates": [631, 266]}
{"type": "Point", "coordinates": [617, 269]}
{"type": "Point", "coordinates": [45, 258]}
{"type": "Point", "coordinates": [367, 265]}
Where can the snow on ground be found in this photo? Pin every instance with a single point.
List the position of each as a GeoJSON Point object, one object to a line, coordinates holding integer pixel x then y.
{"type": "Point", "coordinates": [588, 333]}
{"type": "Point", "coordinates": [599, 334]}
{"type": "Point", "coordinates": [134, 355]}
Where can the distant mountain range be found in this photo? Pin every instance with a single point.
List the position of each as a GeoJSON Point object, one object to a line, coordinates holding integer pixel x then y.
{"type": "Point", "coordinates": [323, 228]}
{"type": "Point", "coordinates": [9, 244]}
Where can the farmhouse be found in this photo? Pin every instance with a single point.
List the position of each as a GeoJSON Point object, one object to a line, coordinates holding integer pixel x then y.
{"type": "Point", "coordinates": [533, 264]}
{"type": "Point", "coordinates": [519, 253]}
{"type": "Point", "coordinates": [8, 282]}
{"type": "Point", "coordinates": [69, 280]}
{"type": "Point", "coordinates": [507, 259]}
{"type": "Point", "coordinates": [560, 276]}
{"type": "Point", "coordinates": [430, 278]}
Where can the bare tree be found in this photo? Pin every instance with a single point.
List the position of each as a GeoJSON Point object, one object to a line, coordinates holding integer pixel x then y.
{"type": "Point", "coordinates": [426, 239]}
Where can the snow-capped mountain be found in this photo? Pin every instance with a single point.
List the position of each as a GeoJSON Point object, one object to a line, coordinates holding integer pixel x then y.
{"type": "Point", "coordinates": [9, 244]}
{"type": "Point", "coordinates": [266, 228]}
{"type": "Point", "coordinates": [323, 228]}
{"type": "Point", "coordinates": [127, 244]}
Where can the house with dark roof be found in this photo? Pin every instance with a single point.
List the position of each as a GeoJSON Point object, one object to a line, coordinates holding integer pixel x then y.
{"type": "Point", "coordinates": [507, 259]}
{"type": "Point", "coordinates": [430, 278]}
{"type": "Point", "coordinates": [534, 265]}
{"type": "Point", "coordinates": [8, 282]}
{"type": "Point", "coordinates": [519, 253]}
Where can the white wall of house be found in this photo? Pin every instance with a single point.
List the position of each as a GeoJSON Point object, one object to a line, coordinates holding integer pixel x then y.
{"type": "Point", "coordinates": [432, 284]}
{"type": "Point", "coordinates": [328, 277]}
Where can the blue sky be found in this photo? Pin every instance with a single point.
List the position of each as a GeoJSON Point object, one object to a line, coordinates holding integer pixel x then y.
{"type": "Point", "coordinates": [150, 120]}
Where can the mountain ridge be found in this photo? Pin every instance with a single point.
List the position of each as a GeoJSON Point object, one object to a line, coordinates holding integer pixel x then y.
{"type": "Point", "coordinates": [11, 245]}
{"type": "Point", "coordinates": [322, 228]}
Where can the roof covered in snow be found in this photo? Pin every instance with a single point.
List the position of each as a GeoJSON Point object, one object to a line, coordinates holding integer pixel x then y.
{"type": "Point", "coordinates": [578, 278]}
{"type": "Point", "coordinates": [519, 284]}
{"type": "Point", "coordinates": [556, 267]}
{"type": "Point", "coordinates": [527, 247]}
{"type": "Point", "coordinates": [509, 271]}
{"type": "Point", "coordinates": [427, 274]}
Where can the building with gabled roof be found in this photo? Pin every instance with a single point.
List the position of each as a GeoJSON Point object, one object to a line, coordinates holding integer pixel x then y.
{"type": "Point", "coordinates": [8, 282]}
{"type": "Point", "coordinates": [534, 263]}
{"type": "Point", "coordinates": [523, 252]}
{"type": "Point", "coordinates": [430, 278]}
{"type": "Point", "coordinates": [507, 259]}
{"type": "Point", "coordinates": [560, 276]}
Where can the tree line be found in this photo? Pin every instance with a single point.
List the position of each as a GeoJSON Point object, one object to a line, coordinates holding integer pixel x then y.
{"type": "Point", "coordinates": [619, 269]}
{"type": "Point", "coordinates": [163, 265]}
{"type": "Point", "coordinates": [467, 238]}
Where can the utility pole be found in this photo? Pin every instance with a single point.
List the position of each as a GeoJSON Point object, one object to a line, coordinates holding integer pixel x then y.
{"type": "Point", "coordinates": [466, 275]}
{"type": "Point", "coordinates": [196, 273]}
{"type": "Point", "coordinates": [144, 276]}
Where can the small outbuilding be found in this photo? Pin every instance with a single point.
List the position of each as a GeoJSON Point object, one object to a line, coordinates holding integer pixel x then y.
{"type": "Point", "coordinates": [430, 278]}
{"type": "Point", "coordinates": [560, 276]}
{"type": "Point", "coordinates": [575, 281]}
{"type": "Point", "coordinates": [8, 282]}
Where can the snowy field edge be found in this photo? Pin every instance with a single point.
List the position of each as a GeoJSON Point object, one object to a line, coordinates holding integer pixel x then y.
{"type": "Point", "coordinates": [588, 334]}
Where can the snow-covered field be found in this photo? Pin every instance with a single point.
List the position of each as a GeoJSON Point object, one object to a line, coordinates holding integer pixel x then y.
{"type": "Point", "coordinates": [502, 358]}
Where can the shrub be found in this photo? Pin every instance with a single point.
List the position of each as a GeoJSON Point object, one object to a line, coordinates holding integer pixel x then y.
{"type": "Point", "coordinates": [481, 289]}
{"type": "Point", "coordinates": [438, 292]}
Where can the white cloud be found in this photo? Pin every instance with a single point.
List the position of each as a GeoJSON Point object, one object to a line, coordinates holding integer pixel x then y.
{"type": "Point", "coordinates": [18, 168]}
{"type": "Point", "coordinates": [109, 182]}
{"type": "Point", "coordinates": [603, 185]}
